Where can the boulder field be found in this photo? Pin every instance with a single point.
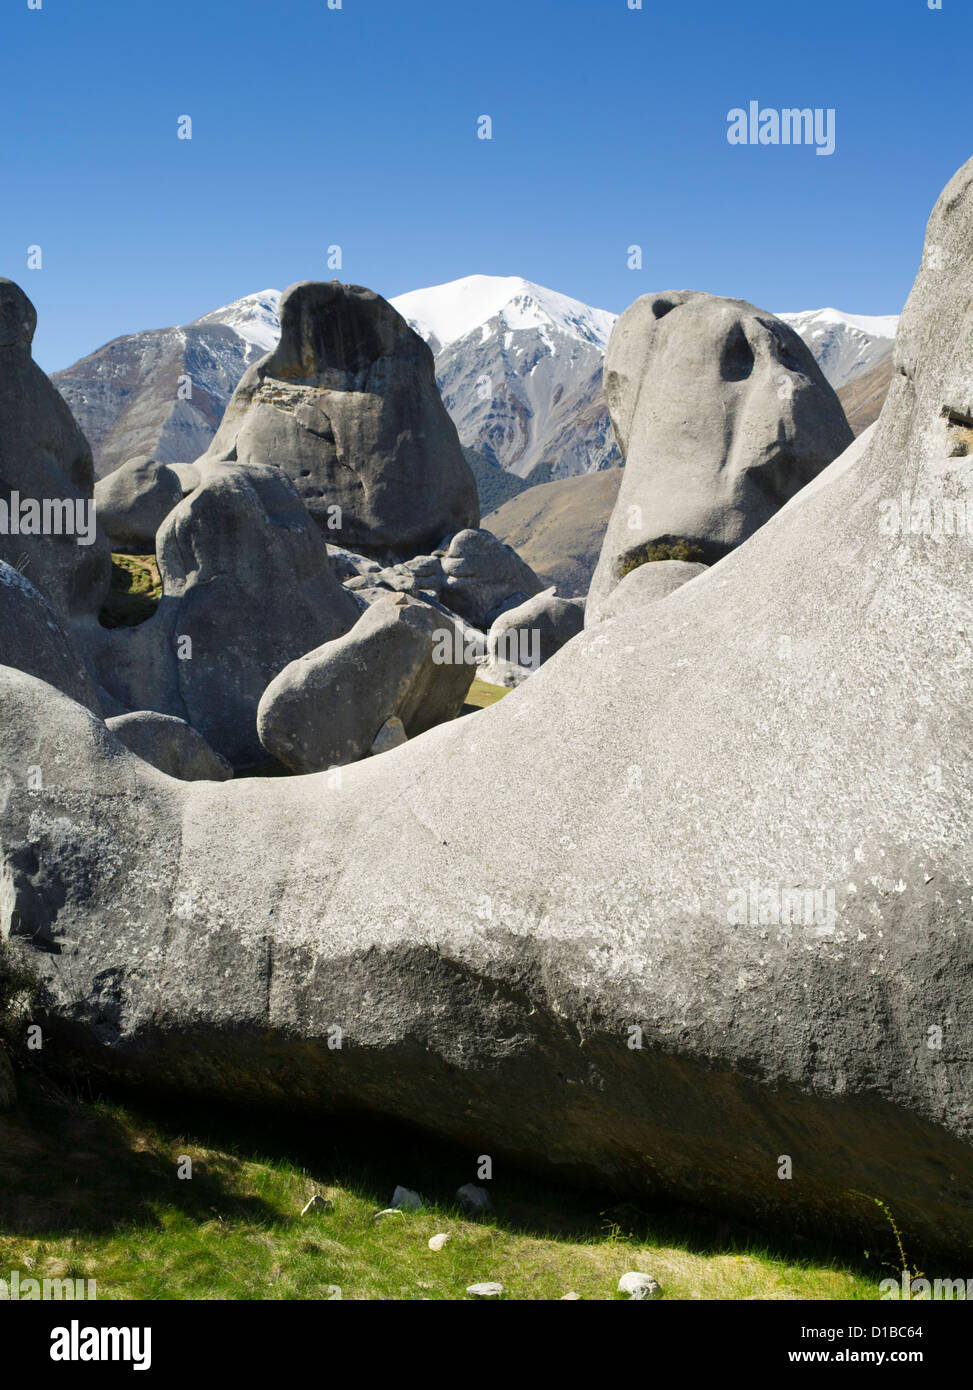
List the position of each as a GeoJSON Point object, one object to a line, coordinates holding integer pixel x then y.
{"type": "Point", "coordinates": [687, 914]}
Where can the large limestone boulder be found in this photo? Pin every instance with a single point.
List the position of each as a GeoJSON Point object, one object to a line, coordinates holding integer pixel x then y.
{"type": "Point", "coordinates": [135, 500]}
{"type": "Point", "coordinates": [523, 638]}
{"type": "Point", "coordinates": [170, 745]}
{"type": "Point", "coordinates": [641, 586]}
{"type": "Point", "coordinates": [247, 587]}
{"type": "Point", "coordinates": [402, 660]}
{"type": "Point", "coordinates": [347, 405]}
{"type": "Point", "coordinates": [484, 577]}
{"type": "Point", "coordinates": [46, 476]}
{"type": "Point", "coordinates": [721, 414]}
{"type": "Point", "coordinates": [34, 639]}
{"type": "Point", "coordinates": [694, 898]}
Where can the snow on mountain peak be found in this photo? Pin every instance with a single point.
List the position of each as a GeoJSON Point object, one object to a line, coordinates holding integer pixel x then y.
{"type": "Point", "coordinates": [845, 345]}
{"type": "Point", "coordinates": [874, 325]}
{"type": "Point", "coordinates": [443, 314]}
{"type": "Point", "coordinates": [255, 317]}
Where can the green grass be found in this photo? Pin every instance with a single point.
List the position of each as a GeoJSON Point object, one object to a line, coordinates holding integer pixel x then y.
{"type": "Point", "coordinates": [90, 1190]}
{"type": "Point", "coordinates": [482, 693]}
{"type": "Point", "coordinates": [134, 592]}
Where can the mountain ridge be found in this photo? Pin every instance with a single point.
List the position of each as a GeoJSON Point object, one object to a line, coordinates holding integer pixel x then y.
{"type": "Point", "coordinates": [519, 367]}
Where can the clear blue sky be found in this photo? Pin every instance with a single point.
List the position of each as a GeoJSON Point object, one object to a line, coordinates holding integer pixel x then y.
{"type": "Point", "coordinates": [314, 126]}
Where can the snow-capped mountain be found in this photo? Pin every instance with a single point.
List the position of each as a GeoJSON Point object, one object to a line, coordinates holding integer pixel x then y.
{"type": "Point", "coordinates": [845, 345]}
{"type": "Point", "coordinates": [163, 392]}
{"type": "Point", "coordinates": [519, 367]}
{"type": "Point", "coordinates": [443, 314]}
{"type": "Point", "coordinates": [256, 318]}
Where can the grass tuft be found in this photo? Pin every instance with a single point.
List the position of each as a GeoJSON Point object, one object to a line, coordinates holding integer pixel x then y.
{"type": "Point", "coordinates": [661, 550]}
{"type": "Point", "coordinates": [134, 593]}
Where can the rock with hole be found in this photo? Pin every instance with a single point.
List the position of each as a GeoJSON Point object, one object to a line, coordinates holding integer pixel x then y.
{"type": "Point", "coordinates": [721, 414]}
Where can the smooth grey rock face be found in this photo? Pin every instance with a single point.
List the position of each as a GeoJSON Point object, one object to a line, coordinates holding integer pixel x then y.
{"type": "Point", "coordinates": [391, 735]}
{"type": "Point", "coordinates": [247, 587]}
{"type": "Point", "coordinates": [484, 576]}
{"type": "Point", "coordinates": [170, 745]}
{"type": "Point", "coordinates": [346, 564]}
{"type": "Point", "coordinates": [45, 457]}
{"type": "Point", "coordinates": [721, 414]}
{"type": "Point", "coordinates": [188, 475]}
{"type": "Point", "coordinates": [347, 405]}
{"type": "Point", "coordinates": [34, 639]}
{"type": "Point", "coordinates": [531, 633]}
{"type": "Point", "coordinates": [609, 963]}
{"type": "Point", "coordinates": [135, 500]}
{"type": "Point", "coordinates": [329, 707]}
{"type": "Point", "coordinates": [644, 585]}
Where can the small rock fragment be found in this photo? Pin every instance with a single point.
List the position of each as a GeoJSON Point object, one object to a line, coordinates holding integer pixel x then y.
{"type": "Point", "coordinates": [639, 1286]}
{"type": "Point", "coordinates": [487, 1290]}
{"type": "Point", "coordinates": [476, 1200]}
{"type": "Point", "coordinates": [406, 1200]}
{"type": "Point", "coordinates": [570, 1296]}
{"type": "Point", "coordinates": [437, 1242]}
{"type": "Point", "coordinates": [317, 1203]}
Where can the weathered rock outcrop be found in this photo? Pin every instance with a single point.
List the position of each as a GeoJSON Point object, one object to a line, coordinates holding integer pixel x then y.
{"type": "Point", "coordinates": [695, 897]}
{"type": "Point", "coordinates": [170, 745]}
{"type": "Point", "coordinates": [34, 639]}
{"type": "Point", "coordinates": [135, 500]}
{"type": "Point", "coordinates": [402, 660]}
{"type": "Point", "coordinates": [247, 588]}
{"type": "Point", "coordinates": [523, 638]}
{"type": "Point", "coordinates": [472, 575]}
{"type": "Point", "coordinates": [347, 405]}
{"type": "Point", "coordinates": [641, 586]}
{"type": "Point", "coordinates": [484, 577]}
{"type": "Point", "coordinates": [721, 414]}
{"type": "Point", "coordinates": [45, 463]}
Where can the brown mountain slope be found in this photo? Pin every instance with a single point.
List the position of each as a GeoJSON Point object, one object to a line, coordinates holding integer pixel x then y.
{"type": "Point", "coordinates": [558, 527]}
{"type": "Point", "coordinates": [864, 395]}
